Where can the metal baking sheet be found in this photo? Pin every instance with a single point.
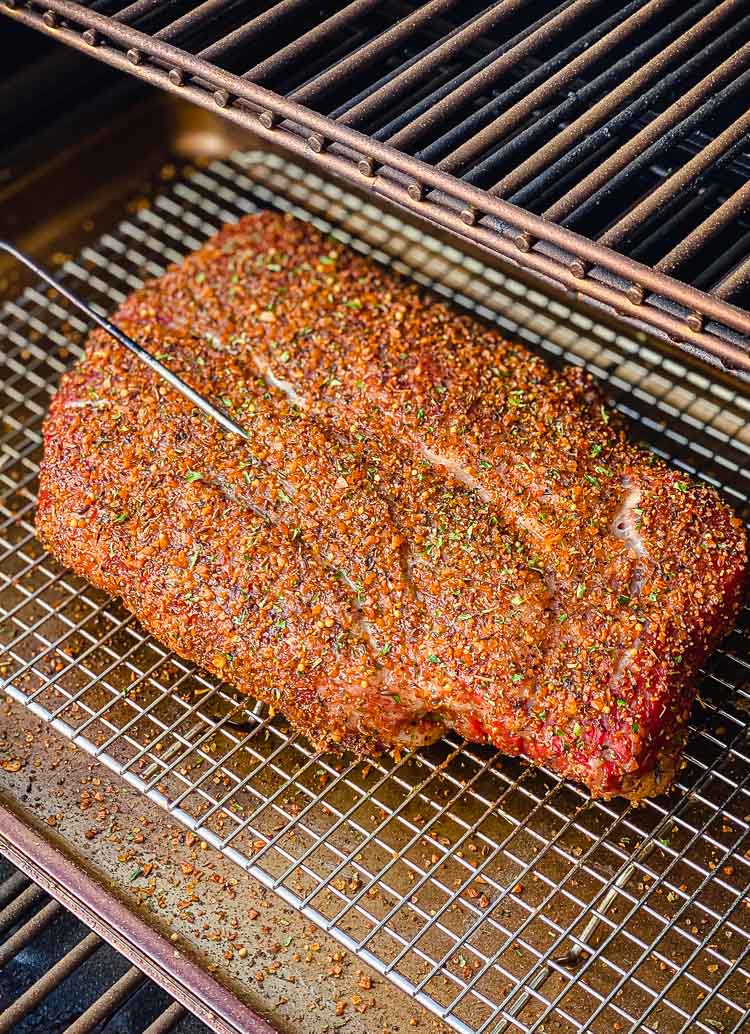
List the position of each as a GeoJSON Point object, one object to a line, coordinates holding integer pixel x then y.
{"type": "Point", "coordinates": [496, 895]}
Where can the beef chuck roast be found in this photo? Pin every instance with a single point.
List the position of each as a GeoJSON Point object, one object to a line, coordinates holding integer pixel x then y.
{"type": "Point", "coordinates": [428, 528]}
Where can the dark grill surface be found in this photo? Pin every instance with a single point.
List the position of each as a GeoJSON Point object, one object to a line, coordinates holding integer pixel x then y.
{"type": "Point", "coordinates": [57, 977]}
{"type": "Point", "coordinates": [603, 145]}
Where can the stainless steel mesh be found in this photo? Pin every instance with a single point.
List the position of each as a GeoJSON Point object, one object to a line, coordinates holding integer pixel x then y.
{"type": "Point", "coordinates": [496, 895]}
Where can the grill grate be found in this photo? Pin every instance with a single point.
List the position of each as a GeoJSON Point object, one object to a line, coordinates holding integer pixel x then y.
{"type": "Point", "coordinates": [59, 976]}
{"type": "Point", "coordinates": [602, 146]}
{"type": "Point", "coordinates": [499, 897]}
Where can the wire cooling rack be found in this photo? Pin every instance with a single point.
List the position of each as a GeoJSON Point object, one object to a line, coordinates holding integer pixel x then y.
{"type": "Point", "coordinates": [496, 895]}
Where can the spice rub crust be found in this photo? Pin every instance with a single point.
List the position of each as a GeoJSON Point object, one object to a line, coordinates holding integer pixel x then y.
{"type": "Point", "coordinates": [428, 527]}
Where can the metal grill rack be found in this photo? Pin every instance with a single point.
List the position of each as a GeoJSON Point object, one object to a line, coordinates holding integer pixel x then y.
{"type": "Point", "coordinates": [497, 896]}
{"type": "Point", "coordinates": [57, 974]}
{"type": "Point", "coordinates": [601, 146]}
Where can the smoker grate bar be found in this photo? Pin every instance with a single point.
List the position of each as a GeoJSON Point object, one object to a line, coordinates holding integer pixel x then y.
{"type": "Point", "coordinates": [694, 171]}
{"type": "Point", "coordinates": [365, 56]}
{"type": "Point", "coordinates": [254, 28]}
{"type": "Point", "coordinates": [167, 1021]}
{"type": "Point", "coordinates": [134, 11]}
{"type": "Point", "coordinates": [194, 21]}
{"type": "Point", "coordinates": [11, 887]}
{"type": "Point", "coordinates": [731, 209]}
{"type": "Point", "coordinates": [297, 49]}
{"type": "Point", "coordinates": [616, 32]}
{"type": "Point", "coordinates": [48, 983]}
{"type": "Point", "coordinates": [560, 135]}
{"type": "Point", "coordinates": [566, 148]}
{"type": "Point", "coordinates": [425, 66]}
{"type": "Point", "coordinates": [18, 906]}
{"type": "Point", "coordinates": [391, 131]}
{"type": "Point", "coordinates": [461, 191]}
{"type": "Point", "coordinates": [735, 282]}
{"type": "Point", "coordinates": [27, 933]}
{"type": "Point", "coordinates": [456, 854]}
{"type": "Point", "coordinates": [71, 978]}
{"type": "Point", "coordinates": [521, 47]}
{"type": "Point", "coordinates": [108, 1004]}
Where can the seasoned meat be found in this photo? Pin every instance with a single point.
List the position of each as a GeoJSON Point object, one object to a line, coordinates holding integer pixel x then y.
{"type": "Point", "coordinates": [428, 528]}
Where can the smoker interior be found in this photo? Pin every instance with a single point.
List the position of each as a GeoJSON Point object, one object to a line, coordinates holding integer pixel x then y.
{"type": "Point", "coordinates": [55, 972]}
{"type": "Point", "coordinates": [497, 896]}
{"type": "Point", "coordinates": [602, 146]}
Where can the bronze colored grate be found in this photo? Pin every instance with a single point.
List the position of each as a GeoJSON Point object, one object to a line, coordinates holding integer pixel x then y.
{"type": "Point", "coordinates": [59, 975]}
{"type": "Point", "coordinates": [602, 146]}
{"type": "Point", "coordinates": [497, 896]}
